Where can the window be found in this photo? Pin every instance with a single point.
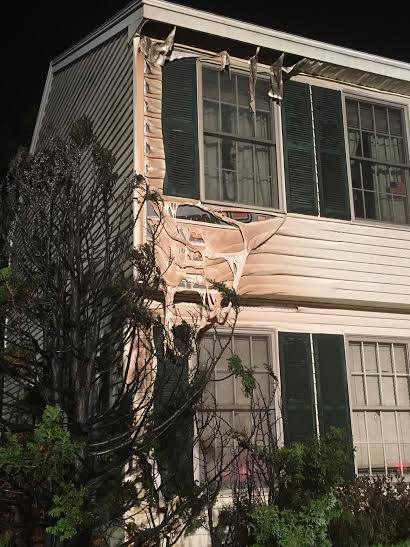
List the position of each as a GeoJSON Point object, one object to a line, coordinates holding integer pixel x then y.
{"type": "Point", "coordinates": [380, 398]}
{"type": "Point", "coordinates": [239, 146]}
{"type": "Point", "coordinates": [379, 161]}
{"type": "Point", "coordinates": [225, 408]}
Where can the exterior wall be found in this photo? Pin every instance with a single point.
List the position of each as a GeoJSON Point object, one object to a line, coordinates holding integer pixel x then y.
{"type": "Point", "coordinates": [328, 261]}
{"type": "Point", "coordinates": [358, 264]}
{"type": "Point", "coordinates": [99, 85]}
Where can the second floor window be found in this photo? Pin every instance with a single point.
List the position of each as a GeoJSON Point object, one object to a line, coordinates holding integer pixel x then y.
{"type": "Point", "coordinates": [239, 146]}
{"type": "Point", "coordinates": [379, 161]}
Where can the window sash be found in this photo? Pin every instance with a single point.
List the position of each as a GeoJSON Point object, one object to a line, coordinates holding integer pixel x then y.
{"type": "Point", "coordinates": [382, 444]}
{"type": "Point", "coordinates": [258, 185]}
{"type": "Point", "coordinates": [239, 410]}
{"type": "Point", "coordinates": [378, 195]}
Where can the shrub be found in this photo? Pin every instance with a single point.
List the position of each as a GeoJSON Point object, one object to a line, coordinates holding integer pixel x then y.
{"type": "Point", "coordinates": [374, 510]}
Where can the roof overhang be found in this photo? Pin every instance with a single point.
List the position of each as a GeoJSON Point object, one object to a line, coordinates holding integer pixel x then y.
{"type": "Point", "coordinates": [326, 60]}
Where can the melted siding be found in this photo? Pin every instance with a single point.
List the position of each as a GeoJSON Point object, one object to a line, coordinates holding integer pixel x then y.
{"type": "Point", "coordinates": [342, 263]}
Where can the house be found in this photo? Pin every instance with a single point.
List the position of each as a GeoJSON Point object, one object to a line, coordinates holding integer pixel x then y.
{"type": "Point", "coordinates": [284, 167]}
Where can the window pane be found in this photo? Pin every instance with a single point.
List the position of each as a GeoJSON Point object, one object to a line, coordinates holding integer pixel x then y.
{"type": "Point", "coordinates": [222, 349]}
{"type": "Point", "coordinates": [263, 126]}
{"type": "Point", "coordinates": [263, 392]}
{"type": "Point", "coordinates": [377, 457]}
{"type": "Point", "coordinates": [358, 390]}
{"type": "Point", "coordinates": [228, 94]}
{"type": "Point", "coordinates": [228, 116]}
{"type": "Point", "coordinates": [385, 358]}
{"type": "Point", "coordinates": [403, 391]}
{"type": "Point", "coordinates": [374, 426]}
{"type": "Point", "coordinates": [243, 90]}
{"type": "Point", "coordinates": [229, 170]}
{"type": "Point", "coordinates": [388, 391]}
{"type": "Point", "coordinates": [392, 456]}
{"type": "Point", "coordinates": [395, 122]}
{"type": "Point", "coordinates": [246, 172]}
{"type": "Point", "coordinates": [211, 116]}
{"type": "Point", "coordinates": [370, 205]}
{"type": "Point", "coordinates": [369, 145]}
{"type": "Point", "coordinates": [406, 457]}
{"type": "Point", "coordinates": [396, 151]}
{"type": "Point", "coordinates": [242, 349]}
{"type": "Point", "coordinates": [404, 426]}
{"type": "Point", "coordinates": [352, 114]}
{"type": "Point", "coordinates": [369, 176]}
{"type": "Point", "coordinates": [246, 123]}
{"type": "Point", "coordinates": [261, 95]}
{"type": "Point", "coordinates": [366, 116]}
{"type": "Point", "coordinates": [359, 427]}
{"type": "Point", "coordinates": [355, 357]}
{"type": "Point", "coordinates": [355, 171]}
{"type": "Point", "coordinates": [263, 177]}
{"type": "Point", "coordinates": [355, 143]}
{"type": "Point", "coordinates": [211, 160]}
{"type": "Point", "coordinates": [380, 114]}
{"type": "Point", "coordinates": [358, 200]}
{"type": "Point", "coordinates": [400, 358]}
{"type": "Point", "coordinates": [362, 457]}
{"type": "Point", "coordinates": [241, 399]}
{"type": "Point", "coordinates": [210, 83]}
{"type": "Point", "coordinates": [389, 427]}
{"type": "Point", "coordinates": [208, 395]}
{"type": "Point", "coordinates": [260, 352]}
{"type": "Point", "coordinates": [243, 422]}
{"type": "Point", "coordinates": [369, 352]}
{"type": "Point", "coordinates": [373, 393]}
{"type": "Point", "coordinates": [384, 151]}
{"type": "Point", "coordinates": [224, 389]}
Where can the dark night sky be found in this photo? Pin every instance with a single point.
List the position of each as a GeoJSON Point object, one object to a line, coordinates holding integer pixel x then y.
{"type": "Point", "coordinates": [38, 31]}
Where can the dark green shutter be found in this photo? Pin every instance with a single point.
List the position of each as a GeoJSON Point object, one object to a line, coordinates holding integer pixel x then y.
{"type": "Point", "coordinates": [331, 382]}
{"type": "Point", "coordinates": [174, 443]}
{"type": "Point", "coordinates": [299, 422]}
{"type": "Point", "coordinates": [332, 392]}
{"type": "Point", "coordinates": [301, 195]}
{"type": "Point", "coordinates": [180, 127]}
{"type": "Point", "coordinates": [330, 153]}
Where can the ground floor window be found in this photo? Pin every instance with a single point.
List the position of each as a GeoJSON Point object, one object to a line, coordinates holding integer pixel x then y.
{"type": "Point", "coordinates": [228, 411]}
{"type": "Point", "coordinates": [380, 400]}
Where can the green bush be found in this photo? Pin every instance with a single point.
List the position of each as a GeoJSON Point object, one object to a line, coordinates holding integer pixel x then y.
{"type": "Point", "coordinates": [374, 510]}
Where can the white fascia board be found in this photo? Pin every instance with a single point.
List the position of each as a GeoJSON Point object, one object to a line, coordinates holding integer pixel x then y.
{"type": "Point", "coordinates": [129, 17]}
{"type": "Point", "coordinates": [225, 27]}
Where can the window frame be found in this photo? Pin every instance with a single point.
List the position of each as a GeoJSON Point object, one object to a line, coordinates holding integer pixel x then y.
{"type": "Point", "coordinates": [391, 340]}
{"type": "Point", "coordinates": [271, 336]}
{"type": "Point", "coordinates": [277, 145]}
{"type": "Point", "coordinates": [374, 98]}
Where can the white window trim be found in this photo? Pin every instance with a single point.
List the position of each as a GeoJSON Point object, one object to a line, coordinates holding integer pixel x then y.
{"type": "Point", "coordinates": [273, 352]}
{"type": "Point", "coordinates": [371, 339]}
{"type": "Point", "coordinates": [279, 152]}
{"type": "Point", "coordinates": [382, 102]}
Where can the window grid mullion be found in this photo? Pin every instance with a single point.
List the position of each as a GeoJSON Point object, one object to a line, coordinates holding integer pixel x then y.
{"type": "Point", "coordinates": [399, 442]}
{"type": "Point", "coordinates": [393, 362]}
{"type": "Point", "coordinates": [381, 414]}
{"type": "Point", "coordinates": [367, 443]}
{"type": "Point", "coordinates": [379, 375]}
{"type": "Point", "coordinates": [366, 398]}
